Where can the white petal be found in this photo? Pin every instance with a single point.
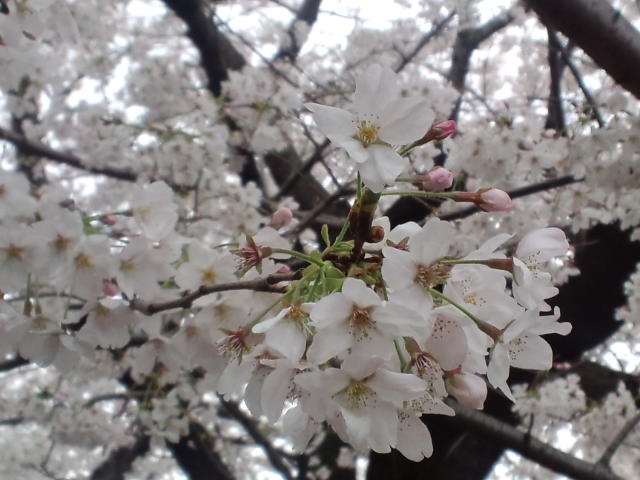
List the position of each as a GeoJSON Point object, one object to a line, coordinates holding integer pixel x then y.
{"type": "Point", "coordinates": [274, 392]}
{"type": "Point", "coordinates": [530, 352]}
{"type": "Point", "coordinates": [394, 320]}
{"type": "Point", "coordinates": [448, 342]}
{"type": "Point", "coordinates": [397, 387]}
{"type": "Point", "coordinates": [328, 343]}
{"type": "Point", "coordinates": [360, 367]}
{"type": "Point", "coordinates": [414, 439]}
{"type": "Point", "coordinates": [375, 87]}
{"type": "Point", "coordinates": [359, 294]}
{"type": "Point", "coordinates": [287, 338]}
{"type": "Point", "coordinates": [405, 120]}
{"type": "Point", "coordinates": [398, 268]}
{"type": "Point", "coordinates": [382, 168]}
{"type": "Point", "coordinates": [335, 123]}
{"type": "Point", "coordinates": [330, 310]}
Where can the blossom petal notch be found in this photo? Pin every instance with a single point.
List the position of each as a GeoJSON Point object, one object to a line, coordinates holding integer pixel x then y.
{"type": "Point", "coordinates": [382, 119]}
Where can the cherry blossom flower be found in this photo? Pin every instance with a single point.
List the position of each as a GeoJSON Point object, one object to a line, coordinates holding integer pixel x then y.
{"type": "Point", "coordinates": [368, 396]}
{"type": "Point", "coordinates": [357, 319]}
{"type": "Point", "coordinates": [382, 119]}
{"type": "Point", "coordinates": [521, 346]}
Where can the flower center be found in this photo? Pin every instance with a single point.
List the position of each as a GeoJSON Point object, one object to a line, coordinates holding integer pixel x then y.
{"type": "Point", "coordinates": [360, 322]}
{"type": "Point", "coordinates": [368, 132]}
{"type": "Point", "coordinates": [357, 394]}
{"type": "Point", "coordinates": [430, 275]}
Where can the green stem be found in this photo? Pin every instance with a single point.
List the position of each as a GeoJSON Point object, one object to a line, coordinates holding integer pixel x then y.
{"type": "Point", "coordinates": [403, 362]}
{"type": "Point", "coordinates": [420, 193]}
{"type": "Point", "coordinates": [302, 256]}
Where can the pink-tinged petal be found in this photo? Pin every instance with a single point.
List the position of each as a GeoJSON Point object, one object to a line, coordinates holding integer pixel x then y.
{"type": "Point", "coordinates": [330, 310]}
{"type": "Point", "coordinates": [383, 430]}
{"type": "Point", "coordinates": [359, 367]}
{"type": "Point", "coordinates": [329, 343]}
{"type": "Point", "coordinates": [530, 352]}
{"type": "Point", "coordinates": [541, 245]}
{"type": "Point", "coordinates": [405, 120]}
{"type": "Point", "coordinates": [414, 439]}
{"type": "Point", "coordinates": [469, 390]}
{"type": "Point", "coordinates": [359, 294]}
{"type": "Point", "coordinates": [287, 338]}
{"type": "Point", "coordinates": [382, 168]}
{"type": "Point", "coordinates": [397, 387]}
{"type": "Point", "coordinates": [275, 390]}
{"type": "Point", "coordinates": [394, 320]}
{"type": "Point", "coordinates": [498, 370]}
{"type": "Point", "coordinates": [448, 341]}
{"type": "Point", "coordinates": [375, 87]}
{"type": "Point", "coordinates": [398, 268]}
{"type": "Point", "coordinates": [335, 123]}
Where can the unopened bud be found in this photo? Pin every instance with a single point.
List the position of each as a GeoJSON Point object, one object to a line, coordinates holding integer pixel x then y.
{"type": "Point", "coordinates": [284, 269]}
{"type": "Point", "coordinates": [470, 390]}
{"type": "Point", "coordinates": [376, 234]}
{"type": "Point", "coordinates": [437, 180]}
{"type": "Point", "coordinates": [281, 217]}
{"type": "Point", "coordinates": [494, 200]}
{"type": "Point", "coordinates": [442, 130]}
{"type": "Point", "coordinates": [109, 219]}
{"type": "Point", "coordinates": [109, 288]}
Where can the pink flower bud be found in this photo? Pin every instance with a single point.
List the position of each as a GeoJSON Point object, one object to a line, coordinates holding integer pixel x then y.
{"type": "Point", "coordinates": [493, 200]}
{"type": "Point", "coordinates": [437, 180]}
{"type": "Point", "coordinates": [442, 130]}
{"type": "Point", "coordinates": [284, 269]}
{"type": "Point", "coordinates": [109, 288]}
{"type": "Point", "coordinates": [470, 390]}
{"type": "Point", "coordinates": [281, 217]}
{"type": "Point", "coordinates": [109, 219]}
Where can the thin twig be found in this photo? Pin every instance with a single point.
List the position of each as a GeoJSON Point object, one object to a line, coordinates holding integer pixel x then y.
{"type": "Point", "coordinates": [624, 432]}
{"type": "Point", "coordinates": [267, 284]}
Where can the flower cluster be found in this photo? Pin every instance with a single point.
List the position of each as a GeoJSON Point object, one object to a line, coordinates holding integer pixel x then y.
{"type": "Point", "coordinates": [374, 331]}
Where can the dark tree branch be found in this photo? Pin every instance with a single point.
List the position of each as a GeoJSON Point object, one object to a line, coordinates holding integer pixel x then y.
{"type": "Point", "coordinates": [601, 31]}
{"type": "Point", "coordinates": [308, 13]}
{"type": "Point", "coordinates": [13, 363]}
{"type": "Point", "coordinates": [517, 193]}
{"type": "Point", "coordinates": [217, 54]}
{"type": "Point", "coordinates": [595, 111]}
{"type": "Point", "coordinates": [121, 459]}
{"type": "Point", "coordinates": [531, 448]}
{"type": "Point", "coordinates": [466, 42]}
{"type": "Point", "coordinates": [426, 38]}
{"type": "Point", "coordinates": [197, 456]}
{"type": "Point", "coordinates": [555, 112]}
{"type": "Point", "coordinates": [31, 147]}
{"type": "Point", "coordinates": [624, 432]}
{"type": "Point", "coordinates": [304, 169]}
{"type": "Point", "coordinates": [252, 429]}
{"type": "Point", "coordinates": [267, 284]}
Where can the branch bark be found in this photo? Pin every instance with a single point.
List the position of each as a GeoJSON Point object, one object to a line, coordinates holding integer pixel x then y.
{"type": "Point", "coordinates": [601, 31]}
{"type": "Point", "coordinates": [32, 147]}
{"type": "Point", "coordinates": [531, 448]}
{"type": "Point", "coordinates": [267, 284]}
{"type": "Point", "coordinates": [217, 54]}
